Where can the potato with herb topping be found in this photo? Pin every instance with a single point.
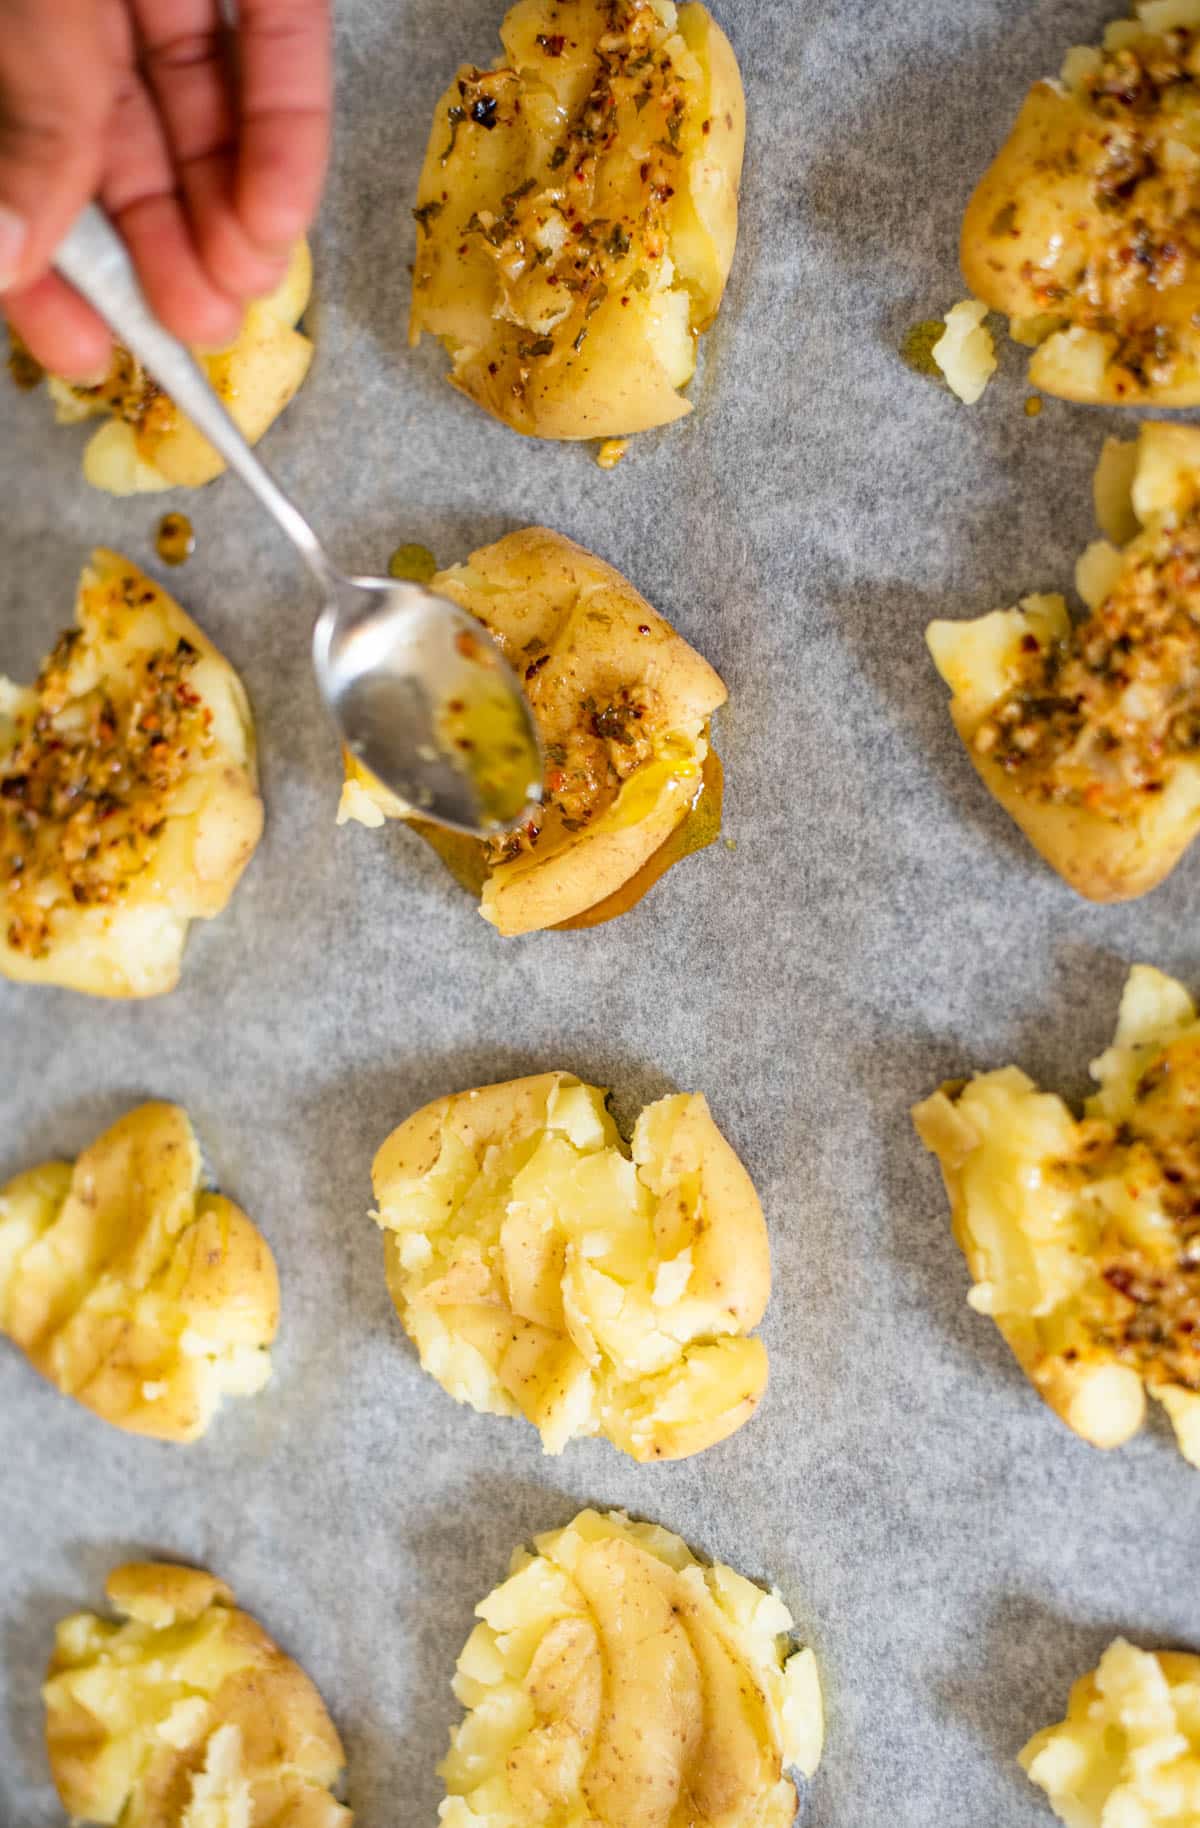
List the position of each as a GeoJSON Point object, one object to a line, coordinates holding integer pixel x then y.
{"type": "Point", "coordinates": [146, 444]}
{"type": "Point", "coordinates": [185, 1714]}
{"type": "Point", "coordinates": [1083, 231]}
{"type": "Point", "coordinates": [544, 1270]}
{"type": "Point", "coordinates": [1082, 1235]}
{"type": "Point", "coordinates": [128, 793]}
{"type": "Point", "coordinates": [1088, 733]}
{"type": "Point", "coordinates": [1128, 1753]}
{"type": "Point", "coordinates": [134, 1290]}
{"type": "Point", "coordinates": [622, 706]}
{"type": "Point", "coordinates": [577, 214]}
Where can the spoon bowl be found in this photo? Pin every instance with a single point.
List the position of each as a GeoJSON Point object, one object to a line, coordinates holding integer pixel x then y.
{"type": "Point", "coordinates": [469, 747]}
{"type": "Point", "coordinates": [421, 695]}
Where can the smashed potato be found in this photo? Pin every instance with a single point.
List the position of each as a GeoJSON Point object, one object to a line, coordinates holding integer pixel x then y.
{"type": "Point", "coordinates": [615, 1679]}
{"type": "Point", "coordinates": [128, 793]}
{"type": "Point", "coordinates": [1128, 1753]}
{"type": "Point", "coordinates": [542, 1270]}
{"type": "Point", "coordinates": [132, 1289]}
{"type": "Point", "coordinates": [1083, 1235]}
{"type": "Point", "coordinates": [1082, 232]}
{"type": "Point", "coordinates": [146, 444]}
{"type": "Point", "coordinates": [577, 214]}
{"type": "Point", "coordinates": [185, 1714]}
{"type": "Point", "coordinates": [1088, 734]}
{"type": "Point", "coordinates": [622, 705]}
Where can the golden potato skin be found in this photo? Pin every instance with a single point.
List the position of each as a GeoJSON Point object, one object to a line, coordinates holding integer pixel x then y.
{"type": "Point", "coordinates": [541, 1271]}
{"type": "Point", "coordinates": [116, 832]}
{"type": "Point", "coordinates": [147, 445]}
{"type": "Point", "coordinates": [621, 703]}
{"type": "Point", "coordinates": [132, 1289]}
{"type": "Point", "coordinates": [1123, 807]}
{"type": "Point", "coordinates": [1129, 1748]}
{"type": "Point", "coordinates": [1081, 230]}
{"type": "Point", "coordinates": [577, 214]}
{"type": "Point", "coordinates": [1077, 1232]}
{"type": "Point", "coordinates": [187, 1701]}
{"type": "Point", "coordinates": [615, 1678]}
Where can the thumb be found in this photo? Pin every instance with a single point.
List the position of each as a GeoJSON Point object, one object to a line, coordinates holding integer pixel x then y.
{"type": "Point", "coordinates": [56, 80]}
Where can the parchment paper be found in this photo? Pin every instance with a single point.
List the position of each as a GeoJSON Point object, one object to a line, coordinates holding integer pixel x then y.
{"type": "Point", "coordinates": [953, 1553]}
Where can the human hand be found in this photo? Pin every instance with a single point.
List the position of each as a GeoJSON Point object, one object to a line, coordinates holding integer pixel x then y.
{"type": "Point", "coordinates": [205, 143]}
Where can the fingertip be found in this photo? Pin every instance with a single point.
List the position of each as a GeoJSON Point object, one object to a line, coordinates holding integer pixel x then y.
{"type": "Point", "coordinates": [279, 178]}
{"type": "Point", "coordinates": [233, 263]}
{"type": "Point", "coordinates": [60, 331]}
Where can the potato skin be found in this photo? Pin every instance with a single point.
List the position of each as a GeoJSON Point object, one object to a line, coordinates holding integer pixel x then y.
{"type": "Point", "coordinates": [132, 945]}
{"type": "Point", "coordinates": [182, 1630]}
{"type": "Point", "coordinates": [626, 344]}
{"type": "Point", "coordinates": [521, 1322]}
{"type": "Point", "coordinates": [110, 1267]}
{"type": "Point", "coordinates": [660, 1690]}
{"type": "Point", "coordinates": [581, 636]}
{"type": "Point", "coordinates": [1101, 861]}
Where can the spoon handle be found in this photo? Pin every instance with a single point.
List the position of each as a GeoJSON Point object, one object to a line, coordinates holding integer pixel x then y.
{"type": "Point", "coordinates": [94, 259]}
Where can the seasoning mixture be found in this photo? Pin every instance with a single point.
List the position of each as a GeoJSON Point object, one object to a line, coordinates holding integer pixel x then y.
{"type": "Point", "coordinates": [1102, 718]}
{"type": "Point", "coordinates": [592, 222]}
{"type": "Point", "coordinates": [1139, 149]}
{"type": "Point", "coordinates": [591, 748]}
{"type": "Point", "coordinates": [1144, 1304]}
{"type": "Point", "coordinates": [86, 786]}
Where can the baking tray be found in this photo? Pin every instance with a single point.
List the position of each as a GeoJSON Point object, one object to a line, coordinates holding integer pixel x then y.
{"type": "Point", "coordinates": [953, 1553]}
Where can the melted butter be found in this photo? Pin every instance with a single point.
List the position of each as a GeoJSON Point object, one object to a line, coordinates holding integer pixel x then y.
{"type": "Point", "coordinates": [694, 833]}
{"type": "Point", "coordinates": [175, 540]}
{"type": "Point", "coordinates": [916, 349]}
{"type": "Point", "coordinates": [486, 731]}
{"type": "Point", "coordinates": [412, 564]}
{"type": "Point", "coordinates": [467, 860]}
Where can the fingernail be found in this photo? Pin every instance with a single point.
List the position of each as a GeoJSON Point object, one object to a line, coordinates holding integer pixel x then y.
{"type": "Point", "coordinates": [13, 236]}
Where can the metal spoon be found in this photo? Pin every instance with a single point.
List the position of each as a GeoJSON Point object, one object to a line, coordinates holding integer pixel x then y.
{"type": "Point", "coordinates": [419, 691]}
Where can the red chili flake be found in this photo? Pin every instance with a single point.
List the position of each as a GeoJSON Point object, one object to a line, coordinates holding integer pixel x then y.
{"type": "Point", "coordinates": [643, 628]}
{"type": "Point", "coordinates": [706, 127]}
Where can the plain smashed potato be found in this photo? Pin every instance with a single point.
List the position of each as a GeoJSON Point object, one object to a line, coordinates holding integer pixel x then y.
{"type": "Point", "coordinates": [542, 1271]}
{"type": "Point", "coordinates": [146, 444]}
{"type": "Point", "coordinates": [1081, 231]}
{"type": "Point", "coordinates": [133, 1289]}
{"type": "Point", "coordinates": [128, 793]}
{"type": "Point", "coordinates": [185, 1714]}
{"type": "Point", "coordinates": [615, 1680]}
{"type": "Point", "coordinates": [622, 705]}
{"type": "Point", "coordinates": [577, 214]}
{"type": "Point", "coordinates": [1128, 1753]}
{"type": "Point", "coordinates": [1081, 1234]}
{"type": "Point", "coordinates": [1088, 733]}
